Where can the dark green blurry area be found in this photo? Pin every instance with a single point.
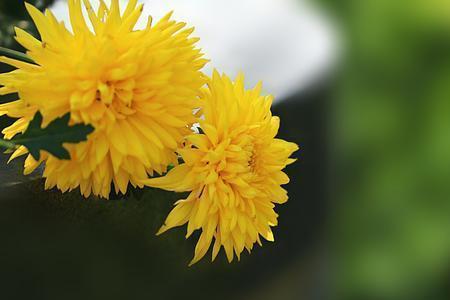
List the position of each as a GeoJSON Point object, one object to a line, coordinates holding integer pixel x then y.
{"type": "Point", "coordinates": [13, 14]}
{"type": "Point", "coordinates": [390, 146]}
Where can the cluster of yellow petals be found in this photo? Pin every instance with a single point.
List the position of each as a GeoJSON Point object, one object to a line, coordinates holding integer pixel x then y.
{"type": "Point", "coordinates": [232, 169]}
{"type": "Point", "coordinates": [138, 88]}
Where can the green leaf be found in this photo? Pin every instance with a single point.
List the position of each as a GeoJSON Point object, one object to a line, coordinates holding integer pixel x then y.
{"type": "Point", "coordinates": [52, 137]}
{"type": "Point", "coordinates": [16, 55]}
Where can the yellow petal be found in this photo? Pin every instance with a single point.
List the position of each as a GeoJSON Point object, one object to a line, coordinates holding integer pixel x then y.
{"type": "Point", "coordinates": [177, 180]}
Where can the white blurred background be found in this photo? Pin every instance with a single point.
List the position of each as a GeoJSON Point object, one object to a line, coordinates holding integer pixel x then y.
{"type": "Point", "coordinates": [287, 44]}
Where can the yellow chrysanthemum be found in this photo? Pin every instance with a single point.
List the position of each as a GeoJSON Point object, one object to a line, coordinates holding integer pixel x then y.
{"type": "Point", "coordinates": [233, 171]}
{"type": "Point", "coordinates": [138, 88]}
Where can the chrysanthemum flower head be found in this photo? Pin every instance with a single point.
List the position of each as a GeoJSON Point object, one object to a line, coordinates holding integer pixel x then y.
{"type": "Point", "coordinates": [232, 169]}
{"type": "Point", "coordinates": [138, 88]}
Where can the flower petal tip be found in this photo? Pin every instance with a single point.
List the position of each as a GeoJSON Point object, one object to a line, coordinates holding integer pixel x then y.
{"type": "Point", "coordinates": [162, 230]}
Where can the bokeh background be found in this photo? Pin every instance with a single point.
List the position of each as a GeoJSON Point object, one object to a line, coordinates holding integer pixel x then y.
{"type": "Point", "coordinates": [362, 86]}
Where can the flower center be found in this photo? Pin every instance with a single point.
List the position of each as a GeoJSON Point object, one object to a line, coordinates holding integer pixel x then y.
{"type": "Point", "coordinates": [117, 96]}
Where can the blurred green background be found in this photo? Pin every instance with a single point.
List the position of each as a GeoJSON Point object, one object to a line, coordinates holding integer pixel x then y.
{"type": "Point", "coordinates": [12, 13]}
{"type": "Point", "coordinates": [390, 148]}
{"type": "Point", "coordinates": [369, 214]}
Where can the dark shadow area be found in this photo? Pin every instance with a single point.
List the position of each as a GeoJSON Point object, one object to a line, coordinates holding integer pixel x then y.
{"type": "Point", "coordinates": [65, 247]}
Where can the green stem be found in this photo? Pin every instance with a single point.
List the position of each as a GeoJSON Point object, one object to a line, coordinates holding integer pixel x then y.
{"type": "Point", "coordinates": [7, 144]}
{"type": "Point", "coordinates": [16, 55]}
